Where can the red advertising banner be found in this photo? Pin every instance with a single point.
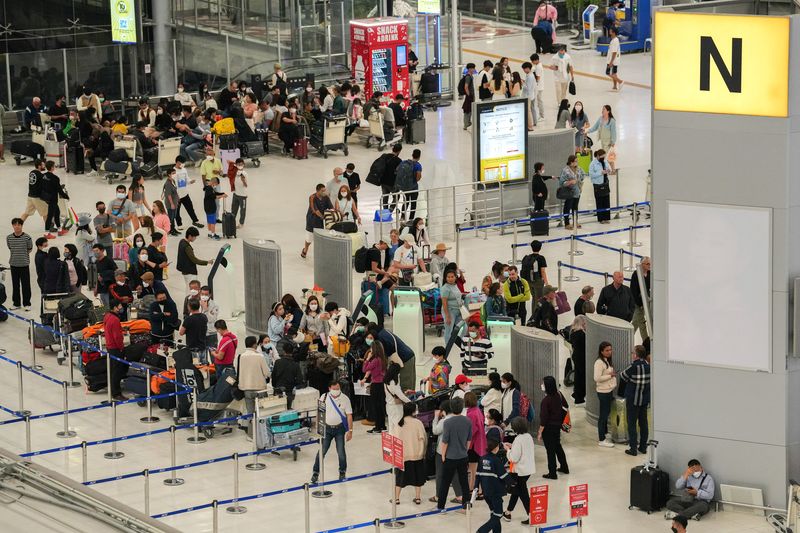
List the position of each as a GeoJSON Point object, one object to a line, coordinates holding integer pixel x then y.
{"type": "Point", "coordinates": [579, 500]}
{"type": "Point", "coordinates": [539, 497]}
{"type": "Point", "coordinates": [392, 450]}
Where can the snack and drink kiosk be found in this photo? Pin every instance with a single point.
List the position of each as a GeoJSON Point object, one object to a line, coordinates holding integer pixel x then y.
{"type": "Point", "coordinates": [379, 55]}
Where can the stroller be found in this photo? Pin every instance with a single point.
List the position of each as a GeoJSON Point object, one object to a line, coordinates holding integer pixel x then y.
{"type": "Point", "coordinates": [212, 404]}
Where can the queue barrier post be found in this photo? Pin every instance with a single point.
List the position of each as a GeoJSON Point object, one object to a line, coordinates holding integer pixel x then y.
{"type": "Point", "coordinates": [21, 411]}
{"type": "Point", "coordinates": [621, 258]}
{"type": "Point", "coordinates": [573, 240]}
{"type": "Point", "coordinates": [236, 508]}
{"type": "Point", "coordinates": [84, 464]}
{"type": "Point", "coordinates": [28, 433]}
{"type": "Point", "coordinates": [66, 432]}
{"type": "Point", "coordinates": [394, 523]}
{"type": "Point", "coordinates": [605, 279]}
{"type": "Point", "coordinates": [215, 516]}
{"type": "Point", "coordinates": [514, 245]}
{"type": "Point", "coordinates": [114, 454]}
{"type": "Point", "coordinates": [616, 191]}
{"type": "Point", "coordinates": [307, 507]}
{"type": "Point", "coordinates": [255, 465]}
{"type": "Point", "coordinates": [321, 492]}
{"type": "Point", "coordinates": [579, 525]}
{"type": "Point", "coordinates": [377, 524]}
{"type": "Point", "coordinates": [173, 481]}
{"type": "Point", "coordinates": [149, 419]}
{"type": "Point", "coordinates": [572, 276]}
{"type": "Point", "coordinates": [196, 438]}
{"type": "Point", "coordinates": [32, 326]}
{"type": "Point", "coordinates": [559, 275]}
{"type": "Point", "coordinates": [458, 241]}
{"type": "Point", "coordinates": [146, 475]}
{"type": "Point", "coordinates": [71, 383]}
{"type": "Point", "coordinates": [632, 242]}
{"type": "Point", "coordinates": [630, 267]}
{"type": "Point", "coordinates": [108, 369]}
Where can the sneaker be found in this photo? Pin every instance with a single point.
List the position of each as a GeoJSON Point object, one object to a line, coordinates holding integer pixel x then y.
{"type": "Point", "coordinates": [631, 452]}
{"type": "Point", "coordinates": [605, 444]}
{"type": "Point", "coordinates": [216, 237]}
{"type": "Point", "coordinates": [49, 236]}
{"type": "Point", "coordinates": [198, 225]}
{"type": "Point", "coordinates": [314, 478]}
{"type": "Point", "coordinates": [643, 450]}
{"type": "Point", "coordinates": [342, 476]}
{"type": "Point", "coordinates": [93, 173]}
{"type": "Point", "coordinates": [375, 431]}
{"type": "Point", "coordinates": [669, 515]}
{"type": "Point", "coordinates": [174, 233]}
{"type": "Point", "coordinates": [525, 522]}
{"type": "Point", "coordinates": [62, 232]}
{"type": "Point", "coordinates": [15, 307]}
{"type": "Point", "coordinates": [179, 227]}
{"type": "Point", "coordinates": [210, 235]}
{"type": "Point", "coordinates": [507, 516]}
{"type": "Point", "coordinates": [696, 517]}
{"type": "Point", "coordinates": [27, 308]}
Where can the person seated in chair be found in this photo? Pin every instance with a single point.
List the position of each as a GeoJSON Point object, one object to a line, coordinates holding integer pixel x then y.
{"type": "Point", "coordinates": [695, 491]}
{"type": "Point", "coordinates": [398, 111]}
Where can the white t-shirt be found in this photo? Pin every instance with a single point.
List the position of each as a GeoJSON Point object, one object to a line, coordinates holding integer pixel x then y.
{"type": "Point", "coordinates": [332, 418]}
{"type": "Point", "coordinates": [407, 256]}
{"type": "Point", "coordinates": [241, 188]}
{"type": "Point", "coordinates": [563, 64]}
{"type": "Point", "coordinates": [538, 69]}
{"type": "Point", "coordinates": [613, 46]}
{"type": "Point", "coordinates": [182, 180]}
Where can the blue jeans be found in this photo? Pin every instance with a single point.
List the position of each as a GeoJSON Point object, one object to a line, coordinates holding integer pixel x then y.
{"type": "Point", "coordinates": [455, 316]}
{"type": "Point", "coordinates": [605, 411]}
{"type": "Point", "coordinates": [331, 433]}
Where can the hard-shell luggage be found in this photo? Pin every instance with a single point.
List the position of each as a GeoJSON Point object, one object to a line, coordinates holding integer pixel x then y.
{"type": "Point", "coordinates": [120, 250]}
{"type": "Point", "coordinates": [283, 422]}
{"type": "Point", "coordinates": [252, 149]}
{"type": "Point", "coordinates": [414, 131]}
{"type": "Point", "coordinates": [135, 384]}
{"type": "Point", "coordinates": [74, 159]}
{"type": "Point", "coordinates": [228, 225]}
{"type": "Point", "coordinates": [95, 382]}
{"type": "Point", "coordinates": [305, 399]}
{"type": "Point", "coordinates": [290, 438]}
{"type": "Point", "coordinates": [95, 367]}
{"type": "Point", "coordinates": [43, 338]}
{"type": "Point", "coordinates": [24, 148]}
{"type": "Point", "coordinates": [540, 224]}
{"type": "Point", "coordinates": [263, 435]}
{"type": "Point", "coordinates": [149, 169]}
{"type": "Point", "coordinates": [649, 484]}
{"type": "Point", "coordinates": [618, 421]}
{"type": "Point", "coordinates": [300, 149]}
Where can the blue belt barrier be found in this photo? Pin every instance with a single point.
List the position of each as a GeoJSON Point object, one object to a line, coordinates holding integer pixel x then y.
{"type": "Point", "coordinates": [595, 234]}
{"type": "Point", "coordinates": [32, 370]}
{"type": "Point", "coordinates": [624, 251]}
{"type": "Point", "coordinates": [387, 520]}
{"type": "Point", "coordinates": [266, 494]}
{"type": "Point", "coordinates": [580, 269]}
{"type": "Point", "coordinates": [9, 411]}
{"type": "Point", "coordinates": [558, 526]}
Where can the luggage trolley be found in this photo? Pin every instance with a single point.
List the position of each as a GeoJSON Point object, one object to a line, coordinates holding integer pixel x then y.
{"type": "Point", "coordinates": [168, 150]}
{"type": "Point", "coordinates": [330, 135]}
{"type": "Point", "coordinates": [123, 169]}
{"type": "Point", "coordinates": [381, 128]}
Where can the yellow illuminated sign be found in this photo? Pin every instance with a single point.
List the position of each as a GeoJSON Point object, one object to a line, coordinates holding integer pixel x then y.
{"type": "Point", "coordinates": [123, 21]}
{"type": "Point", "coordinates": [730, 64]}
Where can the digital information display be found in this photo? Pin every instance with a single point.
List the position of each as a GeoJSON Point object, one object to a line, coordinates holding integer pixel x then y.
{"type": "Point", "coordinates": [501, 139]}
{"type": "Point", "coordinates": [123, 21]}
{"type": "Point", "coordinates": [429, 7]}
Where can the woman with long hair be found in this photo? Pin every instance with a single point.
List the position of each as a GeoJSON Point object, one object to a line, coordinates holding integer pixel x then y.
{"type": "Point", "coordinates": [580, 121]}
{"type": "Point", "coordinates": [605, 378]}
{"type": "Point", "coordinates": [493, 399]}
{"type": "Point", "coordinates": [498, 85]}
{"type": "Point", "coordinates": [562, 115]}
{"type": "Point", "coordinates": [161, 219]}
{"type": "Point", "coordinates": [577, 339]}
{"type": "Point", "coordinates": [521, 453]}
{"type": "Point", "coordinates": [571, 177]}
{"type": "Point", "coordinates": [395, 396]}
{"type": "Point", "coordinates": [291, 307]}
{"type": "Point", "coordinates": [345, 205]}
{"type": "Point", "coordinates": [374, 368]}
{"type": "Point", "coordinates": [516, 85]}
{"type": "Point", "coordinates": [75, 268]}
{"type": "Point", "coordinates": [551, 417]}
{"type": "Point", "coordinates": [606, 126]}
{"type": "Point", "coordinates": [137, 195]}
{"type": "Point", "coordinates": [312, 323]}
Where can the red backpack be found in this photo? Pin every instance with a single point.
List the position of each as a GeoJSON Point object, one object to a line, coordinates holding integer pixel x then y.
{"type": "Point", "coordinates": [525, 410]}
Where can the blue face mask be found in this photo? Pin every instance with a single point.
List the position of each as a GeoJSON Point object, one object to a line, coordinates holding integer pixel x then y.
{"type": "Point", "coordinates": [368, 341]}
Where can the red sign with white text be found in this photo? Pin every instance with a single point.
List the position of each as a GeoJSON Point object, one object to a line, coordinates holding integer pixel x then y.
{"type": "Point", "coordinates": [579, 500]}
{"type": "Point", "coordinates": [392, 450]}
{"type": "Point", "coordinates": [539, 496]}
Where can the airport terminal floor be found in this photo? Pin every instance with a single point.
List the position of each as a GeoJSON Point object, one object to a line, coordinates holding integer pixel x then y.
{"type": "Point", "coordinates": [278, 198]}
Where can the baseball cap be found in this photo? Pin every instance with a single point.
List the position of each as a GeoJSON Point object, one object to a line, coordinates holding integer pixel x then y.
{"type": "Point", "coordinates": [461, 379]}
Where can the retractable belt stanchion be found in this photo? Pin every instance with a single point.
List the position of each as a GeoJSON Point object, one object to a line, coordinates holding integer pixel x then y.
{"type": "Point", "coordinates": [605, 279]}
{"type": "Point", "coordinates": [621, 258]}
{"type": "Point", "coordinates": [321, 492]}
{"type": "Point", "coordinates": [146, 475]}
{"type": "Point", "coordinates": [470, 503]}
{"type": "Point", "coordinates": [71, 383]}
{"type": "Point", "coordinates": [108, 368]}
{"type": "Point", "coordinates": [33, 346]}
{"type": "Point", "coordinates": [66, 432]}
{"type": "Point", "coordinates": [630, 267]}
{"type": "Point", "coordinates": [215, 516]}
{"type": "Point", "coordinates": [307, 507]}
{"type": "Point", "coordinates": [28, 433]}
{"type": "Point", "coordinates": [113, 454]}
{"type": "Point", "coordinates": [514, 245]}
{"type": "Point", "coordinates": [579, 525]}
{"type": "Point", "coordinates": [149, 419]}
{"type": "Point", "coordinates": [84, 464]}
{"type": "Point", "coordinates": [236, 508]}
{"type": "Point", "coordinates": [616, 191]}
{"type": "Point", "coordinates": [572, 276]}
{"type": "Point", "coordinates": [377, 524]}
{"type": "Point", "coordinates": [196, 438]}
{"type": "Point", "coordinates": [172, 481]}
{"type": "Point", "coordinates": [21, 411]}
{"type": "Point", "coordinates": [255, 465]}
{"type": "Point", "coordinates": [573, 242]}
{"type": "Point", "coordinates": [394, 523]}
{"type": "Point", "coordinates": [559, 275]}
{"type": "Point", "coordinates": [632, 242]}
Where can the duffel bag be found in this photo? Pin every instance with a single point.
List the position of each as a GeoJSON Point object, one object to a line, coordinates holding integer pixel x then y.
{"type": "Point", "coordinates": [75, 307]}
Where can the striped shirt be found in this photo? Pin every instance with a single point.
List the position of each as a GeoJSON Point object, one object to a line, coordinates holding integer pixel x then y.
{"type": "Point", "coordinates": [20, 248]}
{"type": "Point", "coordinates": [474, 355]}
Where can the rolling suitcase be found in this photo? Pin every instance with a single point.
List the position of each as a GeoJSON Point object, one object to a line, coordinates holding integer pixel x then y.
{"type": "Point", "coordinates": [300, 149]}
{"type": "Point", "coordinates": [540, 224]}
{"type": "Point", "coordinates": [43, 338]}
{"type": "Point", "coordinates": [252, 149]}
{"type": "Point", "coordinates": [95, 383]}
{"type": "Point", "coordinates": [305, 399]}
{"type": "Point", "coordinates": [135, 384]}
{"type": "Point", "coordinates": [73, 158]}
{"type": "Point", "coordinates": [345, 227]}
{"type": "Point", "coordinates": [284, 422]}
{"type": "Point", "coordinates": [414, 132]}
{"type": "Point", "coordinates": [228, 223]}
{"type": "Point", "coordinates": [649, 484]}
{"type": "Point", "coordinates": [618, 421]}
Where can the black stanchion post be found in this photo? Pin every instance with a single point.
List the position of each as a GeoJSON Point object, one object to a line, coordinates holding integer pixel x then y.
{"type": "Point", "coordinates": [196, 438]}
{"type": "Point", "coordinates": [84, 464]}
{"type": "Point", "coordinates": [236, 508]}
{"type": "Point", "coordinates": [33, 346]}
{"type": "Point", "coordinates": [28, 433]}
{"type": "Point", "coordinates": [71, 383]}
{"type": "Point", "coordinates": [21, 411]}
{"type": "Point", "coordinates": [114, 454]}
{"type": "Point", "coordinates": [149, 419]}
{"type": "Point", "coordinates": [66, 432]}
{"type": "Point", "coordinates": [173, 481]}
{"type": "Point", "coordinates": [146, 475]}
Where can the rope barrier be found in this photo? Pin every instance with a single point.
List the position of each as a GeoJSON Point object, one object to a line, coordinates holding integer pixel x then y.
{"type": "Point", "coordinates": [626, 252]}
{"type": "Point", "coordinates": [387, 520]}
{"type": "Point", "coordinates": [581, 269]}
{"type": "Point", "coordinates": [594, 234]}
{"type": "Point", "coordinates": [31, 370]}
{"type": "Point", "coordinates": [551, 217]}
{"type": "Point", "coordinates": [265, 494]}
{"type": "Point", "coordinates": [198, 463]}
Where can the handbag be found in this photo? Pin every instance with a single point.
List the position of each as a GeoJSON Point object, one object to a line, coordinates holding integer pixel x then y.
{"type": "Point", "coordinates": [564, 193]}
{"type": "Point", "coordinates": [604, 189]}
{"type": "Point", "coordinates": [571, 88]}
{"type": "Point", "coordinates": [566, 423]}
{"type": "Point", "coordinates": [236, 392]}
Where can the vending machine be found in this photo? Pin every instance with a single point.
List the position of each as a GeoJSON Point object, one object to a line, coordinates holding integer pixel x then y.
{"type": "Point", "coordinates": [379, 55]}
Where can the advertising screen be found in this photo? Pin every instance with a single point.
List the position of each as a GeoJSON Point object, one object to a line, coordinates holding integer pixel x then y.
{"type": "Point", "coordinates": [502, 135]}
{"type": "Point", "coordinates": [429, 7]}
{"type": "Point", "coordinates": [123, 21]}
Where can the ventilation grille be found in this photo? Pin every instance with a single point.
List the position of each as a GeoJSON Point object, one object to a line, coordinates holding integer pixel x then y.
{"type": "Point", "coordinates": [534, 355]}
{"type": "Point", "coordinates": [262, 282]}
{"type": "Point", "coordinates": [333, 266]}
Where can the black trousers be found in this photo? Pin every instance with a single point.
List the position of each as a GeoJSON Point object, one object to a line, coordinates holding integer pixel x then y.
{"type": "Point", "coordinates": [118, 371]}
{"type": "Point", "coordinates": [53, 220]}
{"type": "Point", "coordinates": [186, 202]}
{"type": "Point", "coordinates": [538, 203]}
{"type": "Point", "coordinates": [377, 401]}
{"type": "Point", "coordinates": [21, 286]}
{"type": "Point", "coordinates": [570, 206]}
{"type": "Point", "coordinates": [579, 389]}
{"type": "Point", "coordinates": [551, 435]}
{"type": "Point", "coordinates": [521, 312]}
{"type": "Point", "coordinates": [602, 202]}
{"type": "Point", "coordinates": [520, 493]}
{"type": "Point", "coordinates": [450, 468]}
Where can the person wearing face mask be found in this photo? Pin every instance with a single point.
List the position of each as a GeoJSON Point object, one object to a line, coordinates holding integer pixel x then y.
{"type": "Point", "coordinates": [122, 210]}
{"type": "Point", "coordinates": [439, 378]}
{"type": "Point", "coordinates": [420, 233]}
{"type": "Point", "coordinates": [580, 121]}
{"type": "Point", "coordinates": [286, 373]}
{"type": "Point", "coordinates": [137, 245]}
{"type": "Point", "coordinates": [115, 345]}
{"type": "Point", "coordinates": [313, 324]}
{"type": "Point", "coordinates": [164, 319]}
{"type": "Point", "coordinates": [289, 132]}
{"type": "Point", "coordinates": [56, 276]}
{"type": "Point", "coordinates": [338, 427]}
{"type": "Point", "coordinates": [514, 403]}
{"type": "Point", "coordinates": [278, 78]}
{"type": "Point", "coordinates": [570, 180]}
{"type": "Point", "coordinates": [156, 255]}
{"type": "Point", "coordinates": [75, 268]}
{"type": "Point", "coordinates": [345, 205]}
{"type": "Point", "coordinates": [187, 261]}
{"type": "Point", "coordinates": [211, 310]}
{"type": "Point", "coordinates": [605, 379]}
{"type": "Point", "coordinates": [211, 167]}
{"type": "Point", "coordinates": [553, 409]}
{"type": "Point", "coordinates": [318, 203]}
{"type": "Point", "coordinates": [462, 386]}
{"type": "Point", "coordinates": [516, 292]}
{"type": "Point", "coordinates": [84, 238]}
{"type": "Point", "coordinates": [195, 327]}
{"type": "Point", "coordinates": [121, 291]}
{"type": "Point", "coordinates": [193, 293]}
{"type": "Point", "coordinates": [138, 268]}
{"type": "Point", "coordinates": [88, 99]}
{"type": "Point", "coordinates": [696, 490]}
{"type": "Point", "coordinates": [520, 452]}
{"type": "Point", "coordinates": [476, 350]}
{"type": "Point", "coordinates": [106, 267]}
{"type": "Point", "coordinates": [598, 173]}
{"type": "Point", "coordinates": [237, 173]}
{"type": "Point", "coordinates": [338, 181]}
{"type": "Point", "coordinates": [564, 72]}
{"type": "Point", "coordinates": [252, 375]}
{"type": "Point", "coordinates": [277, 325]}
{"type": "Point", "coordinates": [338, 319]}
{"type": "Point", "coordinates": [679, 524]}
{"type": "Point", "coordinates": [183, 97]}
{"type": "Point", "coordinates": [477, 447]}
{"type": "Point", "coordinates": [152, 286]}
{"type": "Point", "coordinates": [353, 181]}
{"type": "Point", "coordinates": [291, 307]}
{"type": "Point", "coordinates": [395, 395]}
{"type": "Point", "coordinates": [374, 368]}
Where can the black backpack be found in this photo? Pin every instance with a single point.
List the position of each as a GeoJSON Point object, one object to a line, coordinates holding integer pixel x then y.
{"type": "Point", "coordinates": [376, 171]}
{"type": "Point", "coordinates": [361, 260]}
{"type": "Point", "coordinates": [462, 85]}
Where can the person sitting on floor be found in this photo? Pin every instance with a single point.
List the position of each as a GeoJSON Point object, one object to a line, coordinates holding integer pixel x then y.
{"type": "Point", "coordinates": [695, 491]}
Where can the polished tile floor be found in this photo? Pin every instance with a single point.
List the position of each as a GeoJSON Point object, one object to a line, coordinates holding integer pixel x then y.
{"type": "Point", "coordinates": [278, 198]}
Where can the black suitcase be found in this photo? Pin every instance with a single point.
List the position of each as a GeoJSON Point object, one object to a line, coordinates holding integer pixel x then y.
{"type": "Point", "coordinates": [345, 227]}
{"type": "Point", "coordinates": [149, 169]}
{"type": "Point", "coordinates": [540, 227]}
{"type": "Point", "coordinates": [415, 131]}
{"type": "Point", "coordinates": [430, 457]}
{"type": "Point", "coordinates": [74, 159]}
{"type": "Point", "coordinates": [168, 402]}
{"type": "Point", "coordinates": [228, 142]}
{"type": "Point", "coordinates": [24, 148]}
{"type": "Point", "coordinates": [135, 384]}
{"type": "Point", "coordinates": [118, 155]}
{"type": "Point", "coordinates": [228, 225]}
{"type": "Point", "coordinates": [117, 167]}
{"type": "Point", "coordinates": [96, 367]}
{"type": "Point", "coordinates": [252, 149]}
{"type": "Point", "coordinates": [649, 488]}
{"type": "Point", "coordinates": [95, 383]}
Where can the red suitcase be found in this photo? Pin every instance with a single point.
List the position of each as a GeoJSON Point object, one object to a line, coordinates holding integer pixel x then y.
{"type": "Point", "coordinates": [300, 149]}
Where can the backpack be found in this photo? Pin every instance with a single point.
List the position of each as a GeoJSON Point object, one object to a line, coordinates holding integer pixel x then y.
{"type": "Point", "coordinates": [525, 407]}
{"type": "Point", "coordinates": [404, 176]}
{"type": "Point", "coordinates": [361, 260]}
{"type": "Point", "coordinates": [462, 85]}
{"type": "Point", "coordinates": [280, 83]}
{"type": "Point", "coordinates": [224, 127]}
{"type": "Point", "coordinates": [376, 171]}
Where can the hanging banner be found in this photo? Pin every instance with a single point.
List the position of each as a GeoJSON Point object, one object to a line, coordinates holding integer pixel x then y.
{"type": "Point", "coordinates": [123, 21]}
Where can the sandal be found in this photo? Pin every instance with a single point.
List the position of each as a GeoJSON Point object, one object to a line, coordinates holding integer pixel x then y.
{"type": "Point", "coordinates": [433, 499]}
{"type": "Point", "coordinates": [417, 501]}
{"type": "Point", "coordinates": [456, 500]}
{"type": "Point", "coordinates": [303, 255]}
{"type": "Point", "coordinates": [397, 502]}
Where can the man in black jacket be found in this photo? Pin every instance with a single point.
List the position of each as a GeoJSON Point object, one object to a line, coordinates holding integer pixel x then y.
{"type": "Point", "coordinates": [52, 190]}
{"type": "Point", "coordinates": [638, 320]}
{"type": "Point", "coordinates": [534, 271]}
{"type": "Point", "coordinates": [616, 299]}
{"type": "Point", "coordinates": [391, 162]}
{"type": "Point", "coordinates": [156, 256]}
{"type": "Point", "coordinates": [106, 267]}
{"type": "Point", "coordinates": [38, 260]}
{"type": "Point", "coordinates": [286, 373]}
{"type": "Point", "coordinates": [35, 203]}
{"type": "Point", "coordinates": [187, 262]}
{"type": "Point", "coordinates": [545, 316]}
{"type": "Point", "coordinates": [164, 319]}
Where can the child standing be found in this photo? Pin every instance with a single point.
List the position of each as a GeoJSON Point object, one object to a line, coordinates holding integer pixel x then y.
{"type": "Point", "coordinates": [439, 378]}
{"type": "Point", "coordinates": [492, 475]}
{"type": "Point", "coordinates": [210, 197]}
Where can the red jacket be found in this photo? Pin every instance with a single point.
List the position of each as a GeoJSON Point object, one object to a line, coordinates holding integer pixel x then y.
{"type": "Point", "coordinates": [113, 332]}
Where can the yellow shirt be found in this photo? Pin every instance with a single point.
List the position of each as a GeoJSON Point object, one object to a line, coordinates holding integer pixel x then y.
{"type": "Point", "coordinates": [120, 129]}
{"type": "Point", "coordinates": [207, 169]}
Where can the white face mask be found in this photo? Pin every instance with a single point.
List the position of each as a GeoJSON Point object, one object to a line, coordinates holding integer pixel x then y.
{"type": "Point", "coordinates": [313, 307]}
{"type": "Point", "coordinates": [240, 167]}
{"type": "Point", "coordinates": [542, 386]}
{"type": "Point", "coordinates": [335, 393]}
{"type": "Point", "coordinates": [209, 158]}
{"type": "Point", "coordinates": [578, 108]}
{"type": "Point", "coordinates": [145, 284]}
{"type": "Point", "coordinates": [422, 226]}
{"type": "Point", "coordinates": [120, 195]}
{"type": "Point", "coordinates": [465, 387]}
{"type": "Point", "coordinates": [697, 474]}
{"type": "Point", "coordinates": [505, 385]}
{"type": "Point", "coordinates": [473, 334]}
{"type": "Point", "coordinates": [204, 297]}
{"type": "Point", "coordinates": [192, 292]}
{"type": "Point", "coordinates": [180, 89]}
{"type": "Point", "coordinates": [143, 257]}
{"type": "Point", "coordinates": [120, 283]}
